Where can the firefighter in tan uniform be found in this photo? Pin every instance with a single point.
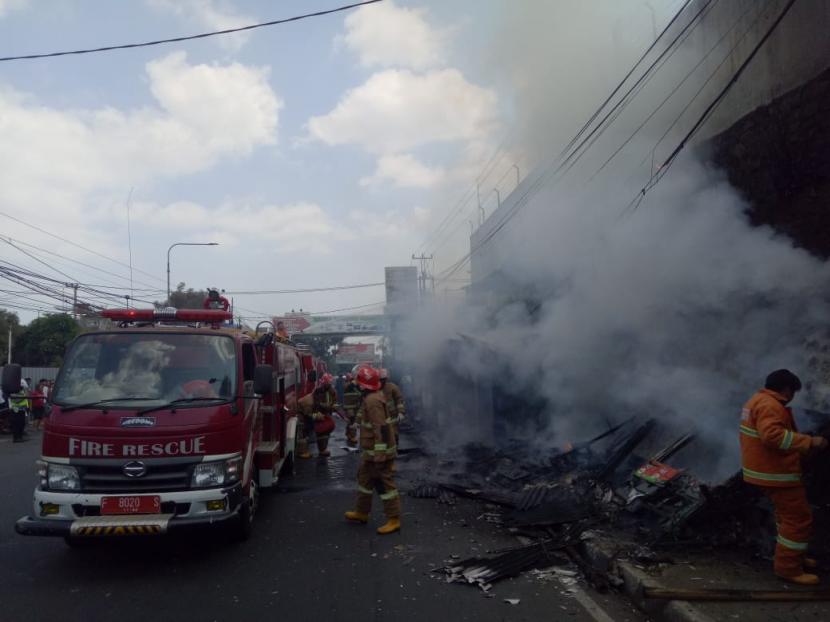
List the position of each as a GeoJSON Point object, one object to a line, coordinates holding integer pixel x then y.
{"type": "Point", "coordinates": [377, 440]}
{"type": "Point", "coordinates": [316, 410]}
{"type": "Point", "coordinates": [351, 404]}
{"type": "Point", "coordinates": [394, 400]}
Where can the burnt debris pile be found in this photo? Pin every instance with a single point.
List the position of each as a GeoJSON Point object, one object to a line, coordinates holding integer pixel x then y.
{"type": "Point", "coordinates": [634, 480]}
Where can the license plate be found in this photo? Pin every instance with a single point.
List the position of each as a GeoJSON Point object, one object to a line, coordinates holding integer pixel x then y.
{"type": "Point", "coordinates": [131, 505]}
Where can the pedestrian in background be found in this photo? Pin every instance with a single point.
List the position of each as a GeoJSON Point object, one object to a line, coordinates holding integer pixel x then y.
{"type": "Point", "coordinates": [19, 406]}
{"type": "Point", "coordinates": [38, 398]}
{"type": "Point", "coordinates": [771, 452]}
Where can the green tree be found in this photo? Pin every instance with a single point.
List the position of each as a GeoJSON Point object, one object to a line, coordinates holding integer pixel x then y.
{"type": "Point", "coordinates": [7, 320]}
{"type": "Point", "coordinates": [184, 298]}
{"type": "Point", "coordinates": [43, 341]}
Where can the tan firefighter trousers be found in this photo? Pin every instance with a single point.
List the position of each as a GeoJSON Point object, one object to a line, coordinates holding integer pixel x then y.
{"type": "Point", "coordinates": [377, 477]}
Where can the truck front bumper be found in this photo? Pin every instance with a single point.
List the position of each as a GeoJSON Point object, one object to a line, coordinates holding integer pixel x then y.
{"type": "Point", "coordinates": [65, 522]}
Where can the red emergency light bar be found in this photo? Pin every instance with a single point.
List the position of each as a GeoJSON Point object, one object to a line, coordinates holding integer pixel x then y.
{"type": "Point", "coordinates": [178, 315]}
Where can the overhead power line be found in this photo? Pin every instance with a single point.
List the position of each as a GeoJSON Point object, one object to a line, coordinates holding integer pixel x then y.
{"type": "Point", "coordinates": [368, 306]}
{"type": "Point", "coordinates": [303, 291]}
{"type": "Point", "coordinates": [204, 35]}
{"type": "Point", "coordinates": [575, 148]}
{"type": "Point", "coordinates": [666, 165]}
{"type": "Point", "coordinates": [76, 245]}
{"type": "Point", "coordinates": [703, 59]}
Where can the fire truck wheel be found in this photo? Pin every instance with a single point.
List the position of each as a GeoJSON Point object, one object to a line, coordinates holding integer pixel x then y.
{"type": "Point", "coordinates": [247, 511]}
{"type": "Point", "coordinates": [287, 469]}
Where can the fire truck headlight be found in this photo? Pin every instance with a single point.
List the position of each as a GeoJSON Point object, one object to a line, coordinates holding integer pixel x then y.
{"type": "Point", "coordinates": [62, 477]}
{"type": "Point", "coordinates": [208, 474]}
{"type": "Point", "coordinates": [233, 470]}
{"type": "Point", "coordinates": [42, 473]}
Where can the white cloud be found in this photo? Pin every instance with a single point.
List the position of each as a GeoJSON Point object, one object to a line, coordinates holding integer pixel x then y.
{"type": "Point", "coordinates": [387, 35]}
{"type": "Point", "coordinates": [398, 110]}
{"type": "Point", "coordinates": [63, 167]}
{"type": "Point", "coordinates": [7, 6]}
{"type": "Point", "coordinates": [205, 112]}
{"type": "Point", "coordinates": [210, 15]}
{"type": "Point", "coordinates": [405, 171]}
{"type": "Point", "coordinates": [231, 107]}
{"type": "Point", "coordinates": [293, 227]}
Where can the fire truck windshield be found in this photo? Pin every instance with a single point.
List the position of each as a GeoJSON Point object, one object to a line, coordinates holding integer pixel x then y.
{"type": "Point", "coordinates": [141, 370]}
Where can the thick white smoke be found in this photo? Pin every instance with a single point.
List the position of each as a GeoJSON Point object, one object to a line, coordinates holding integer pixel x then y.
{"type": "Point", "coordinates": [676, 311]}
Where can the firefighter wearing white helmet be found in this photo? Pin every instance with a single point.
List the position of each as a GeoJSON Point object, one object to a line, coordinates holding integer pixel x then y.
{"type": "Point", "coordinates": [377, 440]}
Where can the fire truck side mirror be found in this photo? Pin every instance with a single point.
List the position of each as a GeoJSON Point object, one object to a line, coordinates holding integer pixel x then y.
{"type": "Point", "coordinates": [263, 379]}
{"type": "Point", "coordinates": [12, 375]}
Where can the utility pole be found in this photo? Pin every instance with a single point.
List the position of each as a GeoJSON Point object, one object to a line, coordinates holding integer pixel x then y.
{"type": "Point", "coordinates": [74, 287]}
{"type": "Point", "coordinates": [9, 358]}
{"type": "Point", "coordinates": [424, 275]}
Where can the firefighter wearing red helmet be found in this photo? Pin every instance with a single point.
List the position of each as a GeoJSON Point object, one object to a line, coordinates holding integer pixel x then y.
{"type": "Point", "coordinates": [377, 440]}
{"type": "Point", "coordinates": [351, 403]}
{"type": "Point", "coordinates": [317, 409]}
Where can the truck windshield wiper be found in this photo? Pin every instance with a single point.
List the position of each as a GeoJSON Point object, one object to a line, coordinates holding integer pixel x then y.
{"type": "Point", "coordinates": [184, 400]}
{"type": "Point", "coordinates": [102, 403]}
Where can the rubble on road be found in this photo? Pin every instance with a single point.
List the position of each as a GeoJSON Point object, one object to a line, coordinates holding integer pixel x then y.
{"type": "Point", "coordinates": [626, 481]}
{"type": "Point", "coordinates": [483, 572]}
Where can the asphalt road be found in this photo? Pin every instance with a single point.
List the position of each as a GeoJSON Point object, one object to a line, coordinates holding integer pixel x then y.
{"type": "Point", "coordinates": [303, 561]}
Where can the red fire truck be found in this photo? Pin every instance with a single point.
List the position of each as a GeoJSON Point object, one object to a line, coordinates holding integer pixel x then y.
{"type": "Point", "coordinates": [170, 421]}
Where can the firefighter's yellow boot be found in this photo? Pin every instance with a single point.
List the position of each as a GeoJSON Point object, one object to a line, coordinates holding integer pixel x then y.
{"type": "Point", "coordinates": [302, 449]}
{"type": "Point", "coordinates": [392, 525]}
{"type": "Point", "coordinates": [804, 578]}
{"type": "Point", "coordinates": [810, 563]}
{"type": "Point", "coordinates": [351, 436]}
{"type": "Point", "coordinates": [358, 517]}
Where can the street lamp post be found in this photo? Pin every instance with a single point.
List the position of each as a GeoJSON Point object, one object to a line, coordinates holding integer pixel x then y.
{"type": "Point", "coordinates": [168, 259]}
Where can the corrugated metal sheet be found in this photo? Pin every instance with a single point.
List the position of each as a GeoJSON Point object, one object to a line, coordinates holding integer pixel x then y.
{"type": "Point", "coordinates": [39, 373]}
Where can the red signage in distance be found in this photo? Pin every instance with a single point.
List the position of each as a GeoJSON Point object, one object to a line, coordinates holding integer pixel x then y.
{"type": "Point", "coordinates": [293, 324]}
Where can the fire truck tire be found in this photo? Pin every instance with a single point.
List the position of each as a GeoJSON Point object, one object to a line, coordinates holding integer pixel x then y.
{"type": "Point", "coordinates": [247, 512]}
{"type": "Point", "coordinates": [287, 469]}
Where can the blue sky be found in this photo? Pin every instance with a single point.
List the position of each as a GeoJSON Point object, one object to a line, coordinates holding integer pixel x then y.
{"type": "Point", "coordinates": [332, 220]}
{"type": "Point", "coordinates": [315, 152]}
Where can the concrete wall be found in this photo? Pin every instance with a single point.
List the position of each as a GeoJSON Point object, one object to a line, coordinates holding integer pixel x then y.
{"type": "Point", "coordinates": [748, 121]}
{"type": "Point", "coordinates": [796, 52]}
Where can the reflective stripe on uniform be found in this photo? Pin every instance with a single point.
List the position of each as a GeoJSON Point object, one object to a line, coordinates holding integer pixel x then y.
{"type": "Point", "coordinates": [745, 429]}
{"type": "Point", "coordinates": [787, 440]}
{"type": "Point", "coordinates": [367, 426]}
{"type": "Point", "coordinates": [381, 447]}
{"type": "Point", "coordinates": [389, 451]}
{"type": "Point", "coordinates": [790, 544]}
{"type": "Point", "coordinates": [365, 491]}
{"type": "Point", "coordinates": [772, 477]}
{"type": "Point", "coordinates": [392, 494]}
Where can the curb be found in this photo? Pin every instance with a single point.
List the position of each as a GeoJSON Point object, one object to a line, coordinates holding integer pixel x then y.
{"type": "Point", "coordinates": [635, 581]}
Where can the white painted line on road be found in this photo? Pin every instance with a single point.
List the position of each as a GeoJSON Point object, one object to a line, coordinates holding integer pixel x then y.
{"type": "Point", "coordinates": [590, 605]}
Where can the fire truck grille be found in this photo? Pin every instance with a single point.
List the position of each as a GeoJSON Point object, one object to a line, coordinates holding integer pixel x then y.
{"type": "Point", "coordinates": [158, 478]}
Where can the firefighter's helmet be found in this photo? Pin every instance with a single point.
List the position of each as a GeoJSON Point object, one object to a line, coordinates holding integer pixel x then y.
{"type": "Point", "coordinates": [326, 380]}
{"type": "Point", "coordinates": [368, 378]}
